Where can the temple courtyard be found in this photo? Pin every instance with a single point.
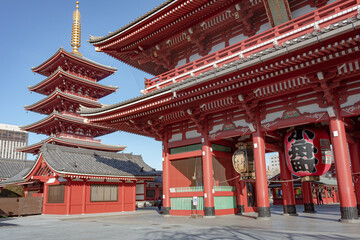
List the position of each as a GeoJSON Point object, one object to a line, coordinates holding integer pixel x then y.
{"type": "Point", "coordinates": [149, 224]}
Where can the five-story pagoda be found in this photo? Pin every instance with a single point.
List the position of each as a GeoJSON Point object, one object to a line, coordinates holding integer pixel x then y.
{"type": "Point", "coordinates": [71, 82]}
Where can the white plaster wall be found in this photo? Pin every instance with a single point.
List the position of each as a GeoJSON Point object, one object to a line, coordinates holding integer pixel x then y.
{"type": "Point", "coordinates": [312, 108]}
{"type": "Point", "coordinates": [176, 137]}
{"type": "Point", "coordinates": [194, 57]}
{"type": "Point", "coordinates": [192, 134]}
{"type": "Point", "coordinates": [351, 100]}
{"type": "Point", "coordinates": [264, 27]}
{"type": "Point", "coordinates": [273, 116]}
{"type": "Point", "coordinates": [181, 62]}
{"type": "Point", "coordinates": [216, 128]}
{"type": "Point", "coordinates": [241, 123]}
{"type": "Point", "coordinates": [237, 39]}
{"type": "Point", "coordinates": [217, 47]}
{"type": "Point", "coordinates": [140, 188]}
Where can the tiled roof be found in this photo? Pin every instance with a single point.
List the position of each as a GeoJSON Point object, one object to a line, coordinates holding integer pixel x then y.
{"type": "Point", "coordinates": [17, 178]}
{"type": "Point", "coordinates": [74, 142]}
{"type": "Point", "coordinates": [61, 49]}
{"type": "Point", "coordinates": [68, 160]}
{"type": "Point", "coordinates": [94, 39]}
{"type": "Point", "coordinates": [81, 79]}
{"type": "Point", "coordinates": [69, 96]}
{"type": "Point", "coordinates": [10, 167]}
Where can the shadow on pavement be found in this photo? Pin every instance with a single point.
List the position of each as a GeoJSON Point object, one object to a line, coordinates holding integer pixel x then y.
{"type": "Point", "coordinates": [238, 233]}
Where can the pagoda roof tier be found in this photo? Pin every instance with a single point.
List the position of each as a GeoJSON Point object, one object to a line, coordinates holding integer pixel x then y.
{"type": "Point", "coordinates": [61, 101]}
{"type": "Point", "coordinates": [154, 29]}
{"type": "Point", "coordinates": [65, 80]}
{"type": "Point", "coordinates": [74, 63]}
{"type": "Point", "coordinates": [34, 148]}
{"type": "Point", "coordinates": [57, 122]}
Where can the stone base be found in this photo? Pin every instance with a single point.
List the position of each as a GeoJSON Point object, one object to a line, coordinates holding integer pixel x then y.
{"type": "Point", "coordinates": [309, 208]}
{"type": "Point", "coordinates": [358, 207]}
{"type": "Point", "coordinates": [166, 211]}
{"type": "Point", "coordinates": [290, 210]}
{"type": "Point", "coordinates": [241, 209]}
{"type": "Point", "coordinates": [264, 212]}
{"type": "Point", "coordinates": [349, 213]}
{"type": "Point", "coordinates": [209, 212]}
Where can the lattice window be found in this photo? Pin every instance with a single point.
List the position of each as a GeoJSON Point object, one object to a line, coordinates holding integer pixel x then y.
{"type": "Point", "coordinates": [104, 193]}
{"type": "Point", "coordinates": [56, 194]}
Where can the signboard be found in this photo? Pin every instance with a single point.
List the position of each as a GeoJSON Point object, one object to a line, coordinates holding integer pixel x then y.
{"type": "Point", "coordinates": [195, 201]}
{"type": "Point", "coordinates": [308, 152]}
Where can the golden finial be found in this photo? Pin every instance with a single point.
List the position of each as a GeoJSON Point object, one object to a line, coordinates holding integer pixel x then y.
{"type": "Point", "coordinates": [76, 31]}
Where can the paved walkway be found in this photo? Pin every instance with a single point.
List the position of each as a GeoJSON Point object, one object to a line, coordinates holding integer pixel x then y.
{"type": "Point", "coordinates": [149, 224]}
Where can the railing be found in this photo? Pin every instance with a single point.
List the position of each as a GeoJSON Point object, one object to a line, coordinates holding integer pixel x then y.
{"type": "Point", "coordinates": [201, 189]}
{"type": "Point", "coordinates": [187, 189]}
{"type": "Point", "coordinates": [224, 188]}
{"type": "Point", "coordinates": [278, 35]}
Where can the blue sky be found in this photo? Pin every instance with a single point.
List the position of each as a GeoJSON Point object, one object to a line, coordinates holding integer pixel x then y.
{"type": "Point", "coordinates": [32, 31]}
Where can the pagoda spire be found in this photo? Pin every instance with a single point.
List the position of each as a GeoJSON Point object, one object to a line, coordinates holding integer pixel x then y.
{"type": "Point", "coordinates": [76, 31]}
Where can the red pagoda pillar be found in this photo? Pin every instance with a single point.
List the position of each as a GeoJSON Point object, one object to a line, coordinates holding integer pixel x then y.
{"type": "Point", "coordinates": [355, 165]}
{"type": "Point", "coordinates": [308, 198]}
{"type": "Point", "coordinates": [166, 177]}
{"type": "Point", "coordinates": [209, 209]}
{"type": "Point", "coordinates": [289, 204]}
{"type": "Point", "coordinates": [342, 166]}
{"type": "Point", "coordinates": [262, 194]}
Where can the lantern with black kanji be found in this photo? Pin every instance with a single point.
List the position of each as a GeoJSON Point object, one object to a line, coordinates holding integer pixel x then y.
{"type": "Point", "coordinates": [243, 159]}
{"type": "Point", "coordinates": [308, 152]}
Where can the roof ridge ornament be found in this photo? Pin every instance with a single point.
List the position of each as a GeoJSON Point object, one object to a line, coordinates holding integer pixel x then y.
{"type": "Point", "coordinates": [76, 31]}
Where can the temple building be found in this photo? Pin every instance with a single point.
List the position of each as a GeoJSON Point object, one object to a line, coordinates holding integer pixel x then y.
{"type": "Point", "coordinates": [235, 79]}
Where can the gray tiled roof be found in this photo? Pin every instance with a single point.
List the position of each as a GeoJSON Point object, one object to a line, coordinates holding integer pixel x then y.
{"type": "Point", "coordinates": [10, 167]}
{"type": "Point", "coordinates": [18, 178]}
{"type": "Point", "coordinates": [82, 143]}
{"type": "Point", "coordinates": [83, 161]}
{"type": "Point", "coordinates": [94, 39]}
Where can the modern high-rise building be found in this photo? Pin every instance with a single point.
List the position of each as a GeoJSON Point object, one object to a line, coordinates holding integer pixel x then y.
{"type": "Point", "coordinates": [12, 137]}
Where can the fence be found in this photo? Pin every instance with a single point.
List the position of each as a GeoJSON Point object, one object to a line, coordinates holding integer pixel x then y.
{"type": "Point", "coordinates": [20, 206]}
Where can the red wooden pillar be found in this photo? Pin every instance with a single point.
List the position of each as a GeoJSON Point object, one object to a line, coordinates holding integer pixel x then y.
{"type": "Point", "coordinates": [262, 192]}
{"type": "Point", "coordinates": [239, 204]}
{"type": "Point", "coordinates": [84, 197]}
{"type": "Point", "coordinates": [45, 194]}
{"type": "Point", "coordinates": [289, 204]}
{"type": "Point", "coordinates": [355, 165]}
{"type": "Point", "coordinates": [209, 209]}
{"type": "Point", "coordinates": [68, 196]}
{"type": "Point", "coordinates": [342, 166]}
{"type": "Point", "coordinates": [166, 176]}
{"type": "Point", "coordinates": [308, 198]}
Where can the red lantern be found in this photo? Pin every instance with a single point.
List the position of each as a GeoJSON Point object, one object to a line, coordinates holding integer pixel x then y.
{"type": "Point", "coordinates": [308, 152]}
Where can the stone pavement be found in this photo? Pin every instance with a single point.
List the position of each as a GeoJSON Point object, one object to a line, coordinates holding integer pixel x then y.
{"type": "Point", "coordinates": [149, 224]}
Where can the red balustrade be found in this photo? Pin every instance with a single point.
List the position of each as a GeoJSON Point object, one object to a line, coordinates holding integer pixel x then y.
{"type": "Point", "coordinates": [300, 26]}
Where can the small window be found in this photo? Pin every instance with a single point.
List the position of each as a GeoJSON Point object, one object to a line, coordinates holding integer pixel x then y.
{"type": "Point", "coordinates": [150, 193]}
{"type": "Point", "coordinates": [56, 194]}
{"type": "Point", "coordinates": [104, 193]}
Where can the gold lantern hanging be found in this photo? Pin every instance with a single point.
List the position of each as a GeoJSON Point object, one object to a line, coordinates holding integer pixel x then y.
{"type": "Point", "coordinates": [243, 159]}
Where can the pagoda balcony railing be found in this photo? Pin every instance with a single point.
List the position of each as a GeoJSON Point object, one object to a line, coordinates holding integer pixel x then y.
{"type": "Point", "coordinates": [81, 95]}
{"type": "Point", "coordinates": [273, 37]}
{"type": "Point", "coordinates": [81, 76]}
{"type": "Point", "coordinates": [72, 136]}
